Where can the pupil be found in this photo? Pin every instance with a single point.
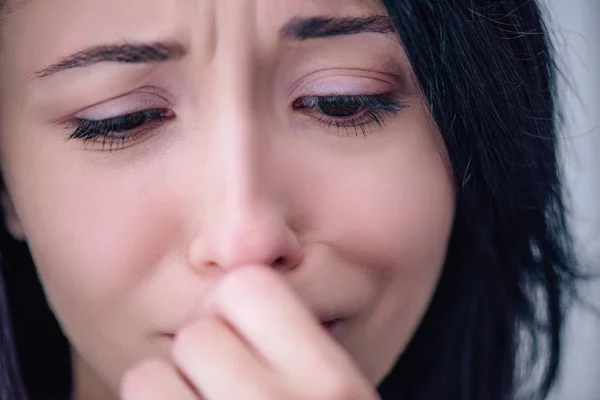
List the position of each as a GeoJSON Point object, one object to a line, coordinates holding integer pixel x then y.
{"type": "Point", "coordinates": [334, 109]}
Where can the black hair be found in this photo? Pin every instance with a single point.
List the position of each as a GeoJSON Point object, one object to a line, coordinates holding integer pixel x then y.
{"type": "Point", "coordinates": [488, 73]}
{"type": "Point", "coordinates": [11, 386]}
{"type": "Point", "coordinates": [486, 69]}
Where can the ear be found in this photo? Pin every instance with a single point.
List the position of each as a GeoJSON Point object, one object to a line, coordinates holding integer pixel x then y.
{"type": "Point", "coordinates": [12, 222]}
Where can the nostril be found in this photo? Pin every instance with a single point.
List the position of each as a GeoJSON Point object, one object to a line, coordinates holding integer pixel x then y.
{"type": "Point", "coordinates": [283, 264]}
{"type": "Point", "coordinates": [280, 261]}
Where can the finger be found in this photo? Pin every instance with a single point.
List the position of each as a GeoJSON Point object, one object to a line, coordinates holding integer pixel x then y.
{"type": "Point", "coordinates": [275, 322]}
{"type": "Point", "coordinates": [219, 364]}
{"type": "Point", "coordinates": [155, 380]}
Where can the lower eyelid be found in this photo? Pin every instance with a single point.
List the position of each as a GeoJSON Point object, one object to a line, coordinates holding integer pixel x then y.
{"type": "Point", "coordinates": [364, 124]}
{"type": "Point", "coordinates": [356, 119]}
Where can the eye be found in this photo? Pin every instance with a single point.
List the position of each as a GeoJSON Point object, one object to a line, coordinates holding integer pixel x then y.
{"type": "Point", "coordinates": [352, 113]}
{"type": "Point", "coordinates": [337, 109]}
{"type": "Point", "coordinates": [116, 132]}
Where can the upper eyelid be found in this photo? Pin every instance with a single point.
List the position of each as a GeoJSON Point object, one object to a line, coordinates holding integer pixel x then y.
{"type": "Point", "coordinates": [359, 99]}
{"type": "Point", "coordinates": [115, 117]}
{"type": "Point", "coordinates": [366, 100]}
{"type": "Point", "coordinates": [345, 82]}
{"type": "Point", "coordinates": [357, 95]}
{"type": "Point", "coordinates": [161, 99]}
{"type": "Point", "coordinates": [124, 104]}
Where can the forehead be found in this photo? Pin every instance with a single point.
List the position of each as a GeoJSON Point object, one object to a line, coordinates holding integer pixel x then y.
{"type": "Point", "coordinates": [130, 15]}
{"type": "Point", "coordinates": [36, 32]}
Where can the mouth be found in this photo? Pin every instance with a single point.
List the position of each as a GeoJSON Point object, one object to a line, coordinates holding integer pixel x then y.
{"type": "Point", "coordinates": [330, 326]}
{"type": "Point", "coordinates": [167, 336]}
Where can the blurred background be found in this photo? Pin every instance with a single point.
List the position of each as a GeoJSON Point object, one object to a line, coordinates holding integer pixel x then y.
{"type": "Point", "coordinates": [575, 25]}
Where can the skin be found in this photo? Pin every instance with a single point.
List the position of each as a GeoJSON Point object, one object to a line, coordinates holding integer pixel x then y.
{"type": "Point", "coordinates": [235, 225]}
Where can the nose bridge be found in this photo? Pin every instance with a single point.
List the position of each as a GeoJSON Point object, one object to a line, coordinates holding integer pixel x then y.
{"type": "Point", "coordinates": [236, 125]}
{"type": "Point", "coordinates": [245, 204]}
{"type": "Point", "coordinates": [239, 133]}
{"type": "Point", "coordinates": [242, 221]}
{"type": "Point", "coordinates": [233, 125]}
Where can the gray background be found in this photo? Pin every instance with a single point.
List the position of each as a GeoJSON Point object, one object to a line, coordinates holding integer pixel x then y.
{"type": "Point", "coordinates": [575, 25]}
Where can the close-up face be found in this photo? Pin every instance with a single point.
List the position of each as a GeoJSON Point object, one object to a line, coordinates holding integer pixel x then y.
{"type": "Point", "coordinates": [150, 147]}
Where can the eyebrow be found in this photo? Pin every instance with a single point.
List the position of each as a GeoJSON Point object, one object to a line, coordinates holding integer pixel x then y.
{"type": "Point", "coordinates": [299, 29]}
{"type": "Point", "coordinates": [324, 27]}
{"type": "Point", "coordinates": [124, 53]}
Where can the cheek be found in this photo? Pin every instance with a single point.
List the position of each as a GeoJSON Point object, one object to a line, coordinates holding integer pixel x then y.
{"type": "Point", "coordinates": [102, 234]}
{"type": "Point", "coordinates": [391, 215]}
{"type": "Point", "coordinates": [98, 230]}
{"type": "Point", "coordinates": [396, 225]}
{"type": "Point", "coordinates": [394, 211]}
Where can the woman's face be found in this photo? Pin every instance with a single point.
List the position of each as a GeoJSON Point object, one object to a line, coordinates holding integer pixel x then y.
{"type": "Point", "coordinates": [254, 135]}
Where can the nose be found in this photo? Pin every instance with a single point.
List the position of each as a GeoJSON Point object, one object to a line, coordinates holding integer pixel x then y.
{"type": "Point", "coordinates": [244, 217]}
{"type": "Point", "coordinates": [251, 233]}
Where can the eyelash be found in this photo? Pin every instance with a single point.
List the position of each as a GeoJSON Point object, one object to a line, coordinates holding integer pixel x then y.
{"type": "Point", "coordinates": [358, 113]}
{"type": "Point", "coordinates": [368, 109]}
{"type": "Point", "coordinates": [120, 130]}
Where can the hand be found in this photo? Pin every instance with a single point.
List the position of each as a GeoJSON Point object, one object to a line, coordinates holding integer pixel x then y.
{"type": "Point", "coordinates": [255, 340]}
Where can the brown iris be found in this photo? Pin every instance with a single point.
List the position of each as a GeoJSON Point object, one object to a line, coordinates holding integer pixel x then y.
{"type": "Point", "coordinates": [338, 109]}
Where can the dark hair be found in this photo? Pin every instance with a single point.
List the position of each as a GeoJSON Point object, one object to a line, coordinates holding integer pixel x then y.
{"type": "Point", "coordinates": [11, 386]}
{"type": "Point", "coordinates": [486, 69]}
